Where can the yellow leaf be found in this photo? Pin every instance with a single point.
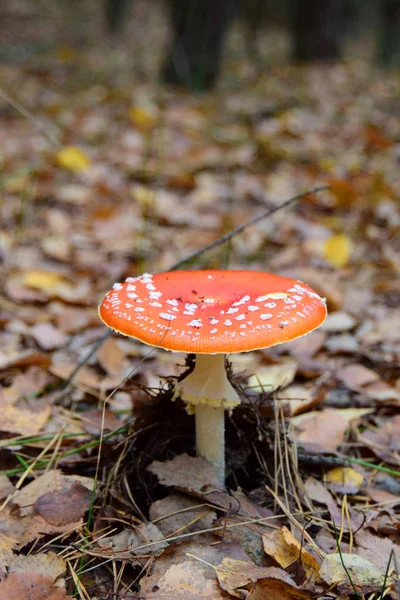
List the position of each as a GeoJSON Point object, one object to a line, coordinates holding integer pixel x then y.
{"type": "Point", "coordinates": [73, 158]}
{"type": "Point", "coordinates": [344, 480]}
{"type": "Point", "coordinates": [285, 549]}
{"type": "Point", "coordinates": [142, 117]}
{"type": "Point", "coordinates": [42, 280]}
{"type": "Point", "coordinates": [337, 250]}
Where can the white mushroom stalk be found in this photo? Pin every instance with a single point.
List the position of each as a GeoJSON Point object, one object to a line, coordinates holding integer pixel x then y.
{"type": "Point", "coordinates": [207, 389]}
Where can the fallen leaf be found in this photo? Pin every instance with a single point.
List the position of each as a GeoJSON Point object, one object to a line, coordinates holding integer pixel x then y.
{"type": "Point", "coordinates": [321, 432]}
{"type": "Point", "coordinates": [276, 588]}
{"type": "Point", "coordinates": [51, 481]}
{"type": "Point", "coordinates": [337, 250]}
{"type": "Point", "coordinates": [355, 376]}
{"type": "Point", "coordinates": [31, 586]}
{"type": "Point", "coordinates": [344, 480]}
{"type": "Point", "coordinates": [47, 336]}
{"type": "Point", "coordinates": [337, 322]}
{"type": "Point", "coordinates": [285, 549]}
{"type": "Point", "coordinates": [95, 421]}
{"type": "Point", "coordinates": [268, 379]}
{"type": "Point", "coordinates": [179, 513]}
{"type": "Point", "coordinates": [184, 581]}
{"type": "Point", "coordinates": [233, 574]}
{"type": "Point", "coordinates": [140, 540]}
{"type": "Point", "coordinates": [143, 118]}
{"type": "Point", "coordinates": [111, 357]}
{"type": "Point", "coordinates": [63, 507]}
{"type": "Point", "coordinates": [363, 575]}
{"type": "Point", "coordinates": [377, 550]}
{"type": "Point", "coordinates": [43, 280]}
{"type": "Point", "coordinates": [73, 159]}
{"type": "Point", "coordinates": [22, 419]}
{"type": "Point", "coordinates": [46, 563]}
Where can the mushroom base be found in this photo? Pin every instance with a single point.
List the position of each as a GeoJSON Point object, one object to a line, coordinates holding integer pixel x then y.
{"type": "Point", "coordinates": [210, 437]}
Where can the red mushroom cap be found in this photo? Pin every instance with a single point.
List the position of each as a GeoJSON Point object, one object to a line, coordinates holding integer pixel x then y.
{"type": "Point", "coordinates": [212, 312]}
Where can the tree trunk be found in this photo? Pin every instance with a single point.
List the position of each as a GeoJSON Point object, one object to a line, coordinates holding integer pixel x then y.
{"type": "Point", "coordinates": [316, 29]}
{"type": "Point", "coordinates": [115, 13]}
{"type": "Point", "coordinates": [389, 33]}
{"type": "Point", "coordinates": [199, 28]}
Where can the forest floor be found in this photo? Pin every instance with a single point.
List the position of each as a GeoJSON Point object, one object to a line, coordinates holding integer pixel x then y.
{"type": "Point", "coordinates": [101, 493]}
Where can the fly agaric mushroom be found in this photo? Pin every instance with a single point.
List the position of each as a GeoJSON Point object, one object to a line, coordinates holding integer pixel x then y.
{"type": "Point", "coordinates": [212, 313]}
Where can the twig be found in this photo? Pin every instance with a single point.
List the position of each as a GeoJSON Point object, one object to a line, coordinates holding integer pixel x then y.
{"type": "Point", "coordinates": [237, 230]}
{"type": "Point", "coordinates": [225, 238]}
{"type": "Point", "coordinates": [42, 127]}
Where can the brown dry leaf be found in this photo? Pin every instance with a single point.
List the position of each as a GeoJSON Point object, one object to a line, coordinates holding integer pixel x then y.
{"type": "Point", "coordinates": [268, 379]}
{"type": "Point", "coordinates": [307, 346]}
{"type": "Point", "coordinates": [179, 513]}
{"type": "Point", "coordinates": [7, 545]}
{"type": "Point", "coordinates": [47, 336]}
{"type": "Point", "coordinates": [363, 574]}
{"type": "Point", "coordinates": [95, 421]}
{"type": "Point", "coordinates": [320, 432]}
{"type": "Point", "coordinates": [142, 540]}
{"type": "Point", "coordinates": [285, 549]}
{"type": "Point", "coordinates": [26, 358]}
{"type": "Point", "coordinates": [111, 357]}
{"type": "Point", "coordinates": [71, 319]}
{"type": "Point", "coordinates": [377, 550]}
{"type": "Point", "coordinates": [22, 419]}
{"type": "Point", "coordinates": [63, 367]}
{"type": "Point", "coordinates": [31, 586]}
{"type": "Point", "coordinates": [193, 475]}
{"type": "Point", "coordinates": [355, 376]}
{"type": "Point", "coordinates": [344, 480]}
{"type": "Point", "coordinates": [384, 441]}
{"type": "Point", "coordinates": [6, 487]}
{"type": "Point", "coordinates": [317, 492]}
{"type": "Point", "coordinates": [52, 481]}
{"type": "Point", "coordinates": [297, 398]}
{"type": "Point", "coordinates": [61, 508]}
{"type": "Point", "coordinates": [183, 581]}
{"type": "Point", "coordinates": [45, 563]}
{"type": "Point", "coordinates": [32, 528]}
{"type": "Point", "coordinates": [276, 587]}
{"type": "Point", "coordinates": [233, 574]}
{"type": "Point", "coordinates": [186, 473]}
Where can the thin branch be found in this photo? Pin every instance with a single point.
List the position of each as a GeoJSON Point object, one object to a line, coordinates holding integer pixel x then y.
{"type": "Point", "coordinates": [237, 230]}
{"type": "Point", "coordinates": [225, 238]}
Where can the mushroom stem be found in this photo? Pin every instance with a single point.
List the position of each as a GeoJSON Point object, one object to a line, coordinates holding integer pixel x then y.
{"type": "Point", "coordinates": [209, 391]}
{"type": "Point", "coordinates": [210, 437]}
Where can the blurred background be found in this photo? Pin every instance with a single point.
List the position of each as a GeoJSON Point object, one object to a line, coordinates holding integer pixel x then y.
{"type": "Point", "coordinates": [185, 41]}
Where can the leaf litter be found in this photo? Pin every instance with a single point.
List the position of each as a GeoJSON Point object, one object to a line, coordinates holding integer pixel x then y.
{"type": "Point", "coordinates": [99, 487]}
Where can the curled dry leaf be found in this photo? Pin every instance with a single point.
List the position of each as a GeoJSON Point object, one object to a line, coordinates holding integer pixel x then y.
{"type": "Point", "coordinates": [233, 574]}
{"type": "Point", "coordinates": [285, 549]}
{"type": "Point", "coordinates": [276, 586]}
